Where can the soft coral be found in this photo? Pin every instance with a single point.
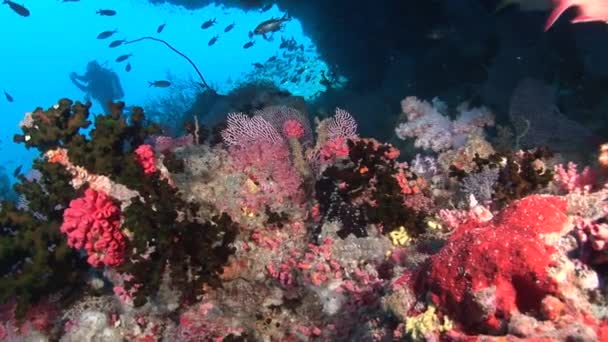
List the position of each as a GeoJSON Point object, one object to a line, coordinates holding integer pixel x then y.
{"type": "Point", "coordinates": [487, 272]}
{"type": "Point", "coordinates": [92, 222]}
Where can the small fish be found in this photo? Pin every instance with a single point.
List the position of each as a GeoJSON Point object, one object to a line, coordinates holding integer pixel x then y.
{"type": "Point", "coordinates": [128, 67]}
{"type": "Point", "coordinates": [213, 40]}
{"type": "Point", "coordinates": [229, 28]}
{"type": "Point", "coordinates": [588, 11]}
{"type": "Point", "coordinates": [160, 28]}
{"type": "Point", "coordinates": [266, 8]}
{"type": "Point", "coordinates": [258, 65]}
{"type": "Point", "coordinates": [271, 25]}
{"type": "Point", "coordinates": [106, 12]}
{"type": "Point", "coordinates": [248, 44]}
{"type": "Point", "coordinates": [17, 171]}
{"type": "Point", "coordinates": [8, 96]}
{"type": "Point", "coordinates": [283, 81]}
{"type": "Point", "coordinates": [123, 58]}
{"type": "Point", "coordinates": [106, 34]}
{"type": "Point", "coordinates": [160, 84]}
{"type": "Point", "coordinates": [19, 9]}
{"type": "Point", "coordinates": [308, 77]}
{"type": "Point", "coordinates": [207, 24]}
{"type": "Point", "coordinates": [300, 71]}
{"type": "Point", "coordinates": [116, 43]}
{"type": "Point", "coordinates": [272, 59]}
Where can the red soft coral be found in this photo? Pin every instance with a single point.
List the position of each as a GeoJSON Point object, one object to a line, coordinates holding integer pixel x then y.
{"type": "Point", "coordinates": [92, 222]}
{"type": "Point", "coordinates": [146, 159]}
{"type": "Point", "coordinates": [487, 272]}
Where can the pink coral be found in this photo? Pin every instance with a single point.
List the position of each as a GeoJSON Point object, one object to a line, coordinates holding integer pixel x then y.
{"type": "Point", "coordinates": [488, 271]}
{"type": "Point", "coordinates": [333, 149]}
{"type": "Point", "coordinates": [293, 128]}
{"type": "Point", "coordinates": [146, 159]}
{"type": "Point", "coordinates": [273, 180]}
{"type": "Point", "coordinates": [92, 222]}
{"type": "Point", "coordinates": [570, 179]}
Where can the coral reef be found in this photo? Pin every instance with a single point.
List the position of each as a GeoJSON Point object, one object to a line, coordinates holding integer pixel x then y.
{"type": "Point", "coordinates": [284, 231]}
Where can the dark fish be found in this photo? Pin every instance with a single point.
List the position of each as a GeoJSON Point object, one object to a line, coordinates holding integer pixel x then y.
{"type": "Point", "coordinates": [128, 67]}
{"type": "Point", "coordinates": [295, 79]}
{"type": "Point", "coordinates": [250, 34]}
{"type": "Point", "coordinates": [272, 59]}
{"type": "Point", "coordinates": [248, 45]}
{"type": "Point", "coordinates": [258, 65]}
{"type": "Point", "coordinates": [8, 96]}
{"type": "Point", "coordinates": [213, 40]}
{"type": "Point", "coordinates": [106, 12]}
{"type": "Point", "coordinates": [266, 8]}
{"type": "Point", "coordinates": [160, 84]}
{"type": "Point", "coordinates": [116, 43]}
{"type": "Point", "coordinates": [160, 28]}
{"type": "Point", "coordinates": [300, 71]}
{"type": "Point", "coordinates": [308, 77]}
{"type": "Point", "coordinates": [19, 9]}
{"type": "Point", "coordinates": [123, 58]}
{"type": "Point", "coordinates": [229, 28]}
{"type": "Point", "coordinates": [284, 43]}
{"type": "Point", "coordinates": [106, 34]}
{"type": "Point", "coordinates": [271, 25]}
{"type": "Point", "coordinates": [17, 171]}
{"type": "Point", "coordinates": [207, 24]}
{"type": "Point", "coordinates": [283, 81]}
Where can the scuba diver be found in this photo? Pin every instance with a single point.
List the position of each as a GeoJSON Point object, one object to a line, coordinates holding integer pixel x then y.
{"type": "Point", "coordinates": [100, 84]}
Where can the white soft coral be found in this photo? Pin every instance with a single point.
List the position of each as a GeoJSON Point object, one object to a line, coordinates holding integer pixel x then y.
{"type": "Point", "coordinates": [435, 131]}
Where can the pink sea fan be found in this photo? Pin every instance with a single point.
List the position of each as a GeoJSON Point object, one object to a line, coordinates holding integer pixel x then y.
{"type": "Point", "coordinates": [146, 159]}
{"type": "Point", "coordinates": [92, 222]}
{"type": "Point", "coordinates": [342, 125]}
{"type": "Point", "coordinates": [243, 130]}
{"type": "Point", "coordinates": [279, 116]}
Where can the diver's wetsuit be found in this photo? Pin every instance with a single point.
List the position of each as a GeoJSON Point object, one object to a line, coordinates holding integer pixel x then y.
{"type": "Point", "coordinates": [101, 84]}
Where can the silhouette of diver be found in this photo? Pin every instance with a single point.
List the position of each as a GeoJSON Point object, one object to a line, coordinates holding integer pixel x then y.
{"type": "Point", "coordinates": [99, 83]}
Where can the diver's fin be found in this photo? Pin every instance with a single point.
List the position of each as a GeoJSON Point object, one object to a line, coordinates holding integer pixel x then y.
{"type": "Point", "coordinates": [560, 8]}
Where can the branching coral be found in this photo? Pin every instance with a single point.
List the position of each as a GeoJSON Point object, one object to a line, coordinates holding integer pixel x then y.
{"type": "Point", "coordinates": [371, 187]}
{"type": "Point", "coordinates": [158, 226]}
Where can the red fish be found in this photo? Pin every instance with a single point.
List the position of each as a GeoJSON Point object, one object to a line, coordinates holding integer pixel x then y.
{"type": "Point", "coordinates": [588, 10]}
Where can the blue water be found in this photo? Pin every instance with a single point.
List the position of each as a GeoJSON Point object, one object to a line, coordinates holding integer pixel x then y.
{"type": "Point", "coordinates": [39, 52]}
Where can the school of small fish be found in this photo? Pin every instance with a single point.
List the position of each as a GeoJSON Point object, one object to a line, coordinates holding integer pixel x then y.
{"type": "Point", "coordinates": [588, 11]}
